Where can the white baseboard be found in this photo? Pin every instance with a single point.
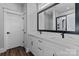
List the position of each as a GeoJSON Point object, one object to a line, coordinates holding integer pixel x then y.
{"type": "Point", "coordinates": [2, 50]}
{"type": "Point", "coordinates": [27, 49]}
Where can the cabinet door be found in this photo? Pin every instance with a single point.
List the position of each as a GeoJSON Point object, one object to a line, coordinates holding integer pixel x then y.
{"type": "Point", "coordinates": [40, 50]}
{"type": "Point", "coordinates": [34, 48]}
{"type": "Point", "coordinates": [34, 45]}
{"type": "Point", "coordinates": [48, 51]}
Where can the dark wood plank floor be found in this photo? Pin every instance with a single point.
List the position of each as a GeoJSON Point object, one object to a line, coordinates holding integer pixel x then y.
{"type": "Point", "coordinates": [18, 51]}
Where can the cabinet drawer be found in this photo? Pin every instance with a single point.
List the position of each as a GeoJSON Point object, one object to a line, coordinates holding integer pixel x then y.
{"type": "Point", "coordinates": [48, 51]}
{"type": "Point", "coordinates": [40, 51]}
{"type": "Point", "coordinates": [46, 48]}
{"type": "Point", "coordinates": [34, 47]}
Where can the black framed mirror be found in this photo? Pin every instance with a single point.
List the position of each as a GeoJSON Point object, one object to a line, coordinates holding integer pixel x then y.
{"type": "Point", "coordinates": [59, 17]}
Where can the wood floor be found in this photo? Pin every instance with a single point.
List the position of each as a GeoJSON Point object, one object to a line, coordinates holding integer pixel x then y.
{"type": "Point", "coordinates": [18, 51]}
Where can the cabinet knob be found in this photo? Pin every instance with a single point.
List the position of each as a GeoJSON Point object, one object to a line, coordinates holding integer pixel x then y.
{"type": "Point", "coordinates": [8, 32]}
{"type": "Point", "coordinates": [40, 41]}
{"type": "Point", "coordinates": [24, 32]}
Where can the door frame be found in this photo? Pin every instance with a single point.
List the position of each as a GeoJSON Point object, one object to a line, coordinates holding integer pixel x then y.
{"type": "Point", "coordinates": [13, 12]}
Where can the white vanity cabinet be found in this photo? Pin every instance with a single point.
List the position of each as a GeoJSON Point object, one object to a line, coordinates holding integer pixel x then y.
{"type": "Point", "coordinates": [39, 47]}
{"type": "Point", "coordinates": [51, 47]}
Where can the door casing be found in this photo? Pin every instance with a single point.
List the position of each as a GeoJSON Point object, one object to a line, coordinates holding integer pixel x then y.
{"type": "Point", "coordinates": [14, 12]}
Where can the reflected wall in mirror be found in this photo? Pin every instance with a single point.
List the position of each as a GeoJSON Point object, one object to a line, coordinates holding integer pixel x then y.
{"type": "Point", "coordinates": [65, 16]}
{"type": "Point", "coordinates": [61, 23]}
{"type": "Point", "coordinates": [47, 20]}
{"type": "Point", "coordinates": [59, 17]}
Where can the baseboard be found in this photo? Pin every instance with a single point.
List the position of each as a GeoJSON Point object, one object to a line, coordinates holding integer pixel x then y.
{"type": "Point", "coordinates": [2, 50]}
{"type": "Point", "coordinates": [27, 50]}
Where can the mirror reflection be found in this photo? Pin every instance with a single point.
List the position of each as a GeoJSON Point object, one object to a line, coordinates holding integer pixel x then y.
{"type": "Point", "coordinates": [60, 17]}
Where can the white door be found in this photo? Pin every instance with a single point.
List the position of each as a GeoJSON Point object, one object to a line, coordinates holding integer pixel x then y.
{"type": "Point", "coordinates": [13, 29]}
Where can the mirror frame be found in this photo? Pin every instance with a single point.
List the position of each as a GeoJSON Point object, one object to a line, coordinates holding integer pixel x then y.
{"type": "Point", "coordinates": [57, 31]}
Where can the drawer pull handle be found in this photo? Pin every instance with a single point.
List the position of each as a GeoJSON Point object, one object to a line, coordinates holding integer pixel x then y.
{"type": "Point", "coordinates": [39, 48]}
{"type": "Point", "coordinates": [40, 41]}
{"type": "Point", "coordinates": [32, 43]}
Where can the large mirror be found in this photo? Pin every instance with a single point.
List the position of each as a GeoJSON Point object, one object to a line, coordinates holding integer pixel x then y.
{"type": "Point", "coordinates": [59, 17]}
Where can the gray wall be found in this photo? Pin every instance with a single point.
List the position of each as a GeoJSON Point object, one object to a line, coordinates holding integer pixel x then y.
{"type": "Point", "coordinates": [1, 28]}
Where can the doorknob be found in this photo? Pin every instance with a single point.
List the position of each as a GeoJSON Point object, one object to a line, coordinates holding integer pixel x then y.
{"type": "Point", "coordinates": [8, 32]}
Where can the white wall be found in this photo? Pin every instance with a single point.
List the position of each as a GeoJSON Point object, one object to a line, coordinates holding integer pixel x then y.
{"type": "Point", "coordinates": [71, 22]}
{"type": "Point", "coordinates": [31, 19]}
{"type": "Point", "coordinates": [13, 6]}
